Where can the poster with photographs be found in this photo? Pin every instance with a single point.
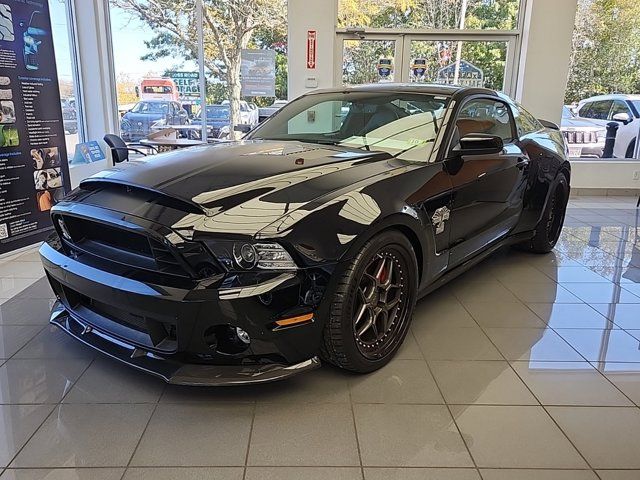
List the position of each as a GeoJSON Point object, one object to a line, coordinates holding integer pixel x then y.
{"type": "Point", "coordinates": [34, 172]}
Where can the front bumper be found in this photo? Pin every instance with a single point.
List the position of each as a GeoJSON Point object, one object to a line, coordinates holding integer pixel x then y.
{"type": "Point", "coordinates": [131, 311]}
{"type": "Point", "coordinates": [171, 371]}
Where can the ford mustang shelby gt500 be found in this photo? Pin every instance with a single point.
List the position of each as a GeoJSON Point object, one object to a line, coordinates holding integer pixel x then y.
{"type": "Point", "coordinates": [310, 239]}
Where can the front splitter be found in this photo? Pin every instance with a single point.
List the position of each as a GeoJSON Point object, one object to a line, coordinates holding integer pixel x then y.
{"type": "Point", "coordinates": [172, 371]}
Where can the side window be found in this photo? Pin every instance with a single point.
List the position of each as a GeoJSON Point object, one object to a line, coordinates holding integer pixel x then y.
{"type": "Point", "coordinates": [525, 122]}
{"type": "Point", "coordinates": [485, 116]}
{"type": "Point", "coordinates": [599, 110]}
{"type": "Point", "coordinates": [585, 110]}
{"type": "Point", "coordinates": [620, 106]}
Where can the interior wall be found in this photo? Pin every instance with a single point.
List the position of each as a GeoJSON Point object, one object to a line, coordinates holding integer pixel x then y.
{"type": "Point", "coordinates": [319, 16]}
{"type": "Point", "coordinates": [544, 56]}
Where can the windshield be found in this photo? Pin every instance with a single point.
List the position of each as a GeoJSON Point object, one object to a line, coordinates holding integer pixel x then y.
{"type": "Point", "coordinates": [636, 105]}
{"type": "Point", "coordinates": [151, 107]}
{"type": "Point", "coordinates": [402, 124]}
{"type": "Point", "coordinates": [216, 111]}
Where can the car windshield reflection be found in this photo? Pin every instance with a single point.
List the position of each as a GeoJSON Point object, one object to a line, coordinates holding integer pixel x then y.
{"type": "Point", "coordinates": [396, 123]}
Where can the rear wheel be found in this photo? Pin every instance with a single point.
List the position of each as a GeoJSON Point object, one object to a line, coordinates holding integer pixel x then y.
{"type": "Point", "coordinates": [550, 226]}
{"type": "Point", "coordinates": [373, 305]}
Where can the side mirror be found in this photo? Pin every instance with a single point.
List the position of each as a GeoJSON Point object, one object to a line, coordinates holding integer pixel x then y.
{"type": "Point", "coordinates": [479, 144]}
{"type": "Point", "coordinates": [622, 118]}
{"type": "Point", "coordinates": [242, 128]}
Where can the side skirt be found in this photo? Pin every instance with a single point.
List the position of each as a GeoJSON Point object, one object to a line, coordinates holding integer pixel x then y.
{"type": "Point", "coordinates": [473, 261]}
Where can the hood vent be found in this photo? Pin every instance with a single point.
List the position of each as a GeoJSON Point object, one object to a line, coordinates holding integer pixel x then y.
{"type": "Point", "coordinates": [144, 193]}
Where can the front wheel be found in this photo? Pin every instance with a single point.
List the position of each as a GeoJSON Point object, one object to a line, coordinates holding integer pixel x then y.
{"type": "Point", "coordinates": [373, 304]}
{"type": "Point", "coordinates": [550, 225]}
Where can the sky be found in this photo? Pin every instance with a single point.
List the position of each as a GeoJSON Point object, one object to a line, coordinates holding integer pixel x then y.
{"type": "Point", "coordinates": [128, 36]}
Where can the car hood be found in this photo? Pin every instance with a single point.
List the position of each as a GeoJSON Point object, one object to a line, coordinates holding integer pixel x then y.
{"type": "Point", "coordinates": [148, 117]}
{"type": "Point", "coordinates": [579, 124]}
{"type": "Point", "coordinates": [243, 187]}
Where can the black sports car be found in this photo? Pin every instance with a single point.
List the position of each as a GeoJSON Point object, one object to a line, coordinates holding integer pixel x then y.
{"type": "Point", "coordinates": [312, 238]}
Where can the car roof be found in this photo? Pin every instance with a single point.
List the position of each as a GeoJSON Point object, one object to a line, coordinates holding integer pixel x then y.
{"type": "Point", "coordinates": [612, 96]}
{"type": "Point", "coordinates": [432, 88]}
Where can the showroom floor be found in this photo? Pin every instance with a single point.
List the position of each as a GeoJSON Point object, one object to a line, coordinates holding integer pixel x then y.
{"type": "Point", "coordinates": [527, 367]}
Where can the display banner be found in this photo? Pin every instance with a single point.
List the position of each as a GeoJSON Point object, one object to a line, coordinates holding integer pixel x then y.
{"type": "Point", "coordinates": [34, 174]}
{"type": "Point", "coordinates": [258, 73]}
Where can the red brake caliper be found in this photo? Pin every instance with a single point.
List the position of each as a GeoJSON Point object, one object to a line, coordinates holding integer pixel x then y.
{"type": "Point", "coordinates": [383, 275]}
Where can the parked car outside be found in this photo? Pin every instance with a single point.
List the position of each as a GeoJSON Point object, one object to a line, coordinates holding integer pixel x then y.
{"type": "Point", "coordinates": [247, 262]}
{"type": "Point", "coordinates": [69, 117]}
{"type": "Point", "coordinates": [266, 112]}
{"type": "Point", "coordinates": [584, 137]}
{"type": "Point", "coordinates": [248, 115]}
{"type": "Point", "coordinates": [217, 121]}
{"type": "Point", "coordinates": [138, 122]}
{"type": "Point", "coordinates": [621, 108]}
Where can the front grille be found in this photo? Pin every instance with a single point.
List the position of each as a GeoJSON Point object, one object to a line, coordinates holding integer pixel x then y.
{"type": "Point", "coordinates": [136, 249]}
{"type": "Point", "coordinates": [580, 136]}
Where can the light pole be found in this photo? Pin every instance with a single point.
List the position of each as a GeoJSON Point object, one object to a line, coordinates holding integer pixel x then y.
{"type": "Point", "coordinates": [463, 14]}
{"type": "Point", "coordinates": [203, 85]}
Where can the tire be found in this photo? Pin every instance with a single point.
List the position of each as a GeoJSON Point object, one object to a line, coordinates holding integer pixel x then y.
{"type": "Point", "coordinates": [385, 261]}
{"type": "Point", "coordinates": [550, 226]}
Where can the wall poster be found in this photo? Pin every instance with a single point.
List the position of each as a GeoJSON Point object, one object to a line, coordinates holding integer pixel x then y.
{"type": "Point", "coordinates": [34, 174]}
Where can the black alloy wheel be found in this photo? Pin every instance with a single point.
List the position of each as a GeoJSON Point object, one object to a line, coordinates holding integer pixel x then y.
{"type": "Point", "coordinates": [373, 304]}
{"type": "Point", "coordinates": [550, 226]}
{"type": "Point", "coordinates": [379, 309]}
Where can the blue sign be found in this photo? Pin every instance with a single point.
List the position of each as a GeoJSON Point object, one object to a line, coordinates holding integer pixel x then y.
{"type": "Point", "coordinates": [468, 75]}
{"type": "Point", "coordinates": [88, 152]}
{"type": "Point", "coordinates": [385, 67]}
{"type": "Point", "coordinates": [419, 67]}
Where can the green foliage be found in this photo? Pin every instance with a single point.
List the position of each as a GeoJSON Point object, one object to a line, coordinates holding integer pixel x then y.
{"type": "Point", "coordinates": [361, 57]}
{"type": "Point", "coordinates": [606, 49]}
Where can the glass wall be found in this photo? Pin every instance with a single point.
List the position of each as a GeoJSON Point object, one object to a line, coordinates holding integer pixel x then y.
{"type": "Point", "coordinates": [467, 42]}
{"type": "Point", "coordinates": [429, 14]}
{"type": "Point", "coordinates": [603, 88]}
{"type": "Point", "coordinates": [156, 56]}
{"type": "Point", "coordinates": [67, 73]}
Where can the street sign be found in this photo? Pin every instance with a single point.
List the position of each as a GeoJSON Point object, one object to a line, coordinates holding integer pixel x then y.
{"type": "Point", "coordinates": [312, 45]}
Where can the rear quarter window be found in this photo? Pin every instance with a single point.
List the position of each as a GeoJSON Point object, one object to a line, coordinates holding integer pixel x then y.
{"type": "Point", "coordinates": [525, 122]}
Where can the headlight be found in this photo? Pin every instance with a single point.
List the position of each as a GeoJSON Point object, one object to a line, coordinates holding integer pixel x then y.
{"type": "Point", "coordinates": [247, 255]}
{"type": "Point", "coordinates": [267, 256]}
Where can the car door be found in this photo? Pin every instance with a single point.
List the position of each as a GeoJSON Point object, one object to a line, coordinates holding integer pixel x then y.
{"type": "Point", "coordinates": [626, 133]}
{"type": "Point", "coordinates": [487, 189]}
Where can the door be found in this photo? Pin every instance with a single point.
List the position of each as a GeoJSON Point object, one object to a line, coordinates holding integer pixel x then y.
{"type": "Point", "coordinates": [487, 189]}
{"type": "Point", "coordinates": [469, 60]}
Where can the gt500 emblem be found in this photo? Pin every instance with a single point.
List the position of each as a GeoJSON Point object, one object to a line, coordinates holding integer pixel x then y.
{"type": "Point", "coordinates": [440, 216]}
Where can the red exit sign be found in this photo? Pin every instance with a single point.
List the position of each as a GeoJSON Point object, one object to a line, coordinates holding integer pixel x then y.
{"type": "Point", "coordinates": [312, 46]}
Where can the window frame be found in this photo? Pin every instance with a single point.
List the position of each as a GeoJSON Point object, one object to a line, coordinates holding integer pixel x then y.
{"type": "Point", "coordinates": [460, 107]}
{"type": "Point", "coordinates": [626, 106]}
{"type": "Point", "coordinates": [591, 106]}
